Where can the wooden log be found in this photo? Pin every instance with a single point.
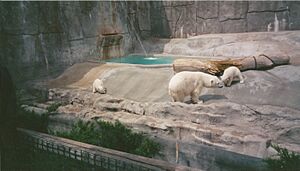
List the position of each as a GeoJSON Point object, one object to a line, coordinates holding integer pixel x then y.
{"type": "Point", "coordinates": [216, 67]}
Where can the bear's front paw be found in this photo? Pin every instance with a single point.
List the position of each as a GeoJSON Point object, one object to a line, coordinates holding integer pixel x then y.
{"type": "Point", "coordinates": [193, 102]}
{"type": "Point", "coordinates": [242, 82]}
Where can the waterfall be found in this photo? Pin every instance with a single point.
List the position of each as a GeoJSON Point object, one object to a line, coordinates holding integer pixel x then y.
{"type": "Point", "coordinates": [134, 30]}
{"type": "Point", "coordinates": [44, 51]}
{"type": "Point", "coordinates": [276, 24]}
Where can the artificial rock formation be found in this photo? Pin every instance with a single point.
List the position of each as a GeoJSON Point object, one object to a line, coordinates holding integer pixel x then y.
{"type": "Point", "coordinates": [49, 36]}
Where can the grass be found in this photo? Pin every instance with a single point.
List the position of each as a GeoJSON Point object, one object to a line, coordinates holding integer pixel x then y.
{"type": "Point", "coordinates": [285, 161]}
{"type": "Point", "coordinates": [114, 136]}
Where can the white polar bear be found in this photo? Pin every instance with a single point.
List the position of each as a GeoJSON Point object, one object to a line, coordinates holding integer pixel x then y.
{"type": "Point", "coordinates": [230, 73]}
{"type": "Point", "coordinates": [188, 83]}
{"type": "Point", "coordinates": [98, 86]}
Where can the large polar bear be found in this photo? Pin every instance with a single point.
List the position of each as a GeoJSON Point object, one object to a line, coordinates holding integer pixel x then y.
{"type": "Point", "coordinates": [187, 83]}
{"type": "Point", "coordinates": [98, 86]}
{"type": "Point", "coordinates": [230, 73]}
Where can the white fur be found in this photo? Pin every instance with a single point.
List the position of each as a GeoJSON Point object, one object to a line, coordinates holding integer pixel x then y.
{"type": "Point", "coordinates": [230, 74]}
{"type": "Point", "coordinates": [99, 87]}
{"type": "Point", "coordinates": [187, 83]}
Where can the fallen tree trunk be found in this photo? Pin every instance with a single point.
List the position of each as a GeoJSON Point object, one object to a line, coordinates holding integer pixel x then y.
{"type": "Point", "coordinates": [216, 67]}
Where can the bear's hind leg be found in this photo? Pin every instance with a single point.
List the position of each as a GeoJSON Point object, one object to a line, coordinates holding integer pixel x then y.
{"type": "Point", "coordinates": [176, 97]}
{"type": "Point", "coordinates": [195, 95]}
{"type": "Point", "coordinates": [180, 98]}
{"type": "Point", "coordinates": [241, 78]}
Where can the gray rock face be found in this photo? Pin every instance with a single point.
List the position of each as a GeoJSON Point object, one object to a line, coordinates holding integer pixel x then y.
{"type": "Point", "coordinates": [232, 10]}
{"type": "Point", "coordinates": [260, 21]}
{"type": "Point", "coordinates": [295, 15]}
{"type": "Point", "coordinates": [207, 10]}
{"type": "Point", "coordinates": [211, 17]}
{"type": "Point", "coordinates": [279, 45]}
{"type": "Point", "coordinates": [49, 36]}
{"type": "Point", "coordinates": [262, 6]}
{"type": "Point", "coordinates": [205, 26]}
{"type": "Point", "coordinates": [59, 34]}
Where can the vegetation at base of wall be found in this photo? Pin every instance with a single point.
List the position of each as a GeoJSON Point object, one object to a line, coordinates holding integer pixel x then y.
{"type": "Point", "coordinates": [31, 120]}
{"type": "Point", "coordinates": [18, 157]}
{"type": "Point", "coordinates": [114, 136]}
{"type": "Point", "coordinates": [284, 161]}
{"type": "Point", "coordinates": [53, 107]}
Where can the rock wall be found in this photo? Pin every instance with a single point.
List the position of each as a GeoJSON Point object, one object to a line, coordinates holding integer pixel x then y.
{"type": "Point", "coordinates": [189, 18]}
{"type": "Point", "coordinates": [41, 37]}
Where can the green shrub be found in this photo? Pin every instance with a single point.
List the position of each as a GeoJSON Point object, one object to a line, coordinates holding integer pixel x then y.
{"type": "Point", "coordinates": [287, 161]}
{"type": "Point", "coordinates": [114, 136]}
{"type": "Point", "coordinates": [53, 107]}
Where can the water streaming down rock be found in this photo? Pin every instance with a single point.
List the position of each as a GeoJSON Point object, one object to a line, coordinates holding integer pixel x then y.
{"type": "Point", "coordinates": [44, 51]}
{"type": "Point", "coordinates": [134, 31]}
{"type": "Point", "coordinates": [276, 24]}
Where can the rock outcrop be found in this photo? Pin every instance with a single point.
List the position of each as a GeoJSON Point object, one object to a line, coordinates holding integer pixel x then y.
{"type": "Point", "coordinates": [219, 123]}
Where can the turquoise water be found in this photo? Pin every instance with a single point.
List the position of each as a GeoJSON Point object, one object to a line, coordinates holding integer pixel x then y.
{"type": "Point", "coordinates": [144, 60]}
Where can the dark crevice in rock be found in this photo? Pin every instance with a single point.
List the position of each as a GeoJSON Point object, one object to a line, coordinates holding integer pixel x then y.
{"type": "Point", "coordinates": [29, 34]}
{"type": "Point", "coordinates": [76, 39]}
{"type": "Point", "coordinates": [279, 10]}
{"type": "Point", "coordinates": [228, 19]}
{"type": "Point", "coordinates": [183, 5]}
{"type": "Point", "coordinates": [207, 18]}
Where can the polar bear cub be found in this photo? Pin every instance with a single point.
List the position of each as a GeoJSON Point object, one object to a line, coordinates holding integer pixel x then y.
{"type": "Point", "coordinates": [98, 86]}
{"type": "Point", "coordinates": [230, 73]}
{"type": "Point", "coordinates": [187, 83]}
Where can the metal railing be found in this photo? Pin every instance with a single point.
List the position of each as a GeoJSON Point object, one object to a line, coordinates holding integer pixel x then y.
{"type": "Point", "coordinates": [97, 158]}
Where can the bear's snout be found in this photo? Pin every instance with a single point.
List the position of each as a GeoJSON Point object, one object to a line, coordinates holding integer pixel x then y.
{"type": "Point", "coordinates": [104, 91]}
{"type": "Point", "coordinates": [220, 85]}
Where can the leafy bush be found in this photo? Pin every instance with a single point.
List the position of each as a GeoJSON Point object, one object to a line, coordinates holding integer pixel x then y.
{"type": "Point", "coordinates": [287, 161]}
{"type": "Point", "coordinates": [53, 107]}
{"type": "Point", "coordinates": [114, 136]}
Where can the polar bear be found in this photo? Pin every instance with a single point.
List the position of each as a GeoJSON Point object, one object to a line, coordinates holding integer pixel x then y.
{"type": "Point", "coordinates": [230, 73]}
{"type": "Point", "coordinates": [188, 83]}
{"type": "Point", "coordinates": [98, 86]}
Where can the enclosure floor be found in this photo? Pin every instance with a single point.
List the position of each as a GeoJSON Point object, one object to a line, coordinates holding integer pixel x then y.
{"type": "Point", "coordinates": [80, 75]}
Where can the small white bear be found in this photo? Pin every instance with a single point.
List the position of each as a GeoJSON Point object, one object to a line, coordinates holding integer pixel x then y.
{"type": "Point", "coordinates": [231, 73]}
{"type": "Point", "coordinates": [188, 83]}
{"type": "Point", "coordinates": [98, 86]}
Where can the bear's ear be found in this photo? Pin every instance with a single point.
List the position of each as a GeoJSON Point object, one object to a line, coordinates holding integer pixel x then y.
{"type": "Point", "coordinates": [211, 81]}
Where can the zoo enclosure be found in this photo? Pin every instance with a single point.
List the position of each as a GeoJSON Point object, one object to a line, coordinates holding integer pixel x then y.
{"type": "Point", "coordinates": [95, 157]}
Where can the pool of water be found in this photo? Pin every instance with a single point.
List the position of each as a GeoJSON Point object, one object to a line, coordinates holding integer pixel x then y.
{"type": "Point", "coordinates": [144, 60]}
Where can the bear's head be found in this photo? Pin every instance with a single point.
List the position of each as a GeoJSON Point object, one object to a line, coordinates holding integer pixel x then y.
{"type": "Point", "coordinates": [216, 82]}
{"type": "Point", "coordinates": [102, 90]}
{"type": "Point", "coordinates": [225, 80]}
